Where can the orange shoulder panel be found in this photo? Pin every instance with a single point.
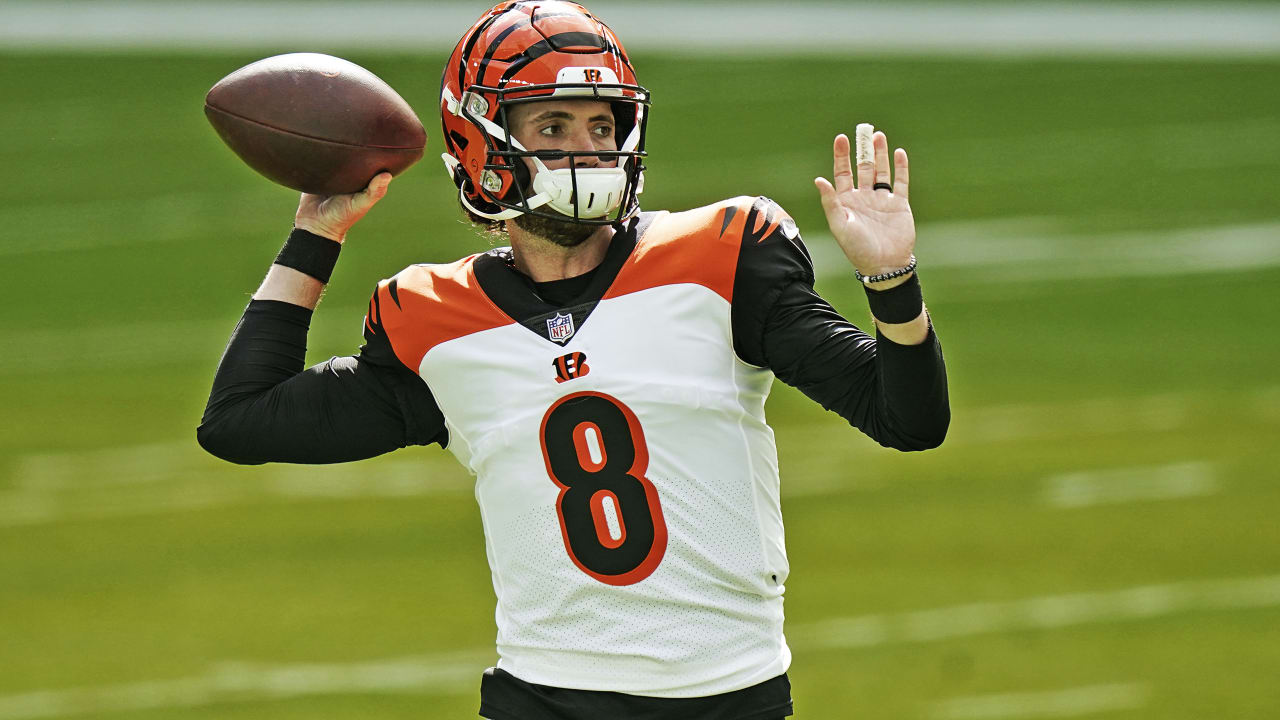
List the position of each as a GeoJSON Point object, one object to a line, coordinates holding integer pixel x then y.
{"type": "Point", "coordinates": [425, 305]}
{"type": "Point", "coordinates": [698, 246]}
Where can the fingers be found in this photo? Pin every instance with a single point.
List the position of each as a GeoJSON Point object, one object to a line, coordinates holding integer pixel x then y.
{"type": "Point", "coordinates": [333, 215]}
{"type": "Point", "coordinates": [831, 207]}
{"type": "Point", "coordinates": [843, 171]}
{"type": "Point", "coordinates": [881, 147]}
{"type": "Point", "coordinates": [378, 186]}
{"type": "Point", "coordinates": [375, 191]}
{"type": "Point", "coordinates": [902, 178]}
{"type": "Point", "coordinates": [826, 194]}
{"type": "Point", "coordinates": [863, 136]}
{"type": "Point", "coordinates": [873, 165]}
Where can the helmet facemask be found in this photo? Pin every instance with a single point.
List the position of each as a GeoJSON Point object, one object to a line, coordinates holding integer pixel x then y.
{"type": "Point", "coordinates": [585, 195]}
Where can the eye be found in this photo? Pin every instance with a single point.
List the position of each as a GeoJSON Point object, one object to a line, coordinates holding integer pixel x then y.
{"type": "Point", "coordinates": [604, 131]}
{"type": "Point", "coordinates": [553, 129]}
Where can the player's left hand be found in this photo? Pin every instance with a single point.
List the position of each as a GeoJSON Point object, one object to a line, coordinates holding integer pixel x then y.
{"type": "Point", "coordinates": [874, 228]}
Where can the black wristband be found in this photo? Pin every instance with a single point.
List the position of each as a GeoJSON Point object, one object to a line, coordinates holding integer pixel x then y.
{"type": "Point", "coordinates": [309, 253]}
{"type": "Point", "coordinates": [899, 304]}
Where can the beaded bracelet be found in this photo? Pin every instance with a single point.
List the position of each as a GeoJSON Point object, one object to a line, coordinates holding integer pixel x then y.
{"type": "Point", "coordinates": [309, 253]}
{"type": "Point", "coordinates": [887, 275]}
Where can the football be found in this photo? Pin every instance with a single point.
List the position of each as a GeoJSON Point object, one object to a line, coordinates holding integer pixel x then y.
{"type": "Point", "coordinates": [315, 123]}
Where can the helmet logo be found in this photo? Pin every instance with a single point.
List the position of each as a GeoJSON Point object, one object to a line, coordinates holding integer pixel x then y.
{"type": "Point", "coordinates": [575, 77]}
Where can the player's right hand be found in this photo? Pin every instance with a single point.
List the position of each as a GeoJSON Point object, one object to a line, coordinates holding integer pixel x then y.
{"type": "Point", "coordinates": [332, 216]}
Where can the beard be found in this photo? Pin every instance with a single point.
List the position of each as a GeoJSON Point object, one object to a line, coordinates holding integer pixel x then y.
{"type": "Point", "coordinates": [565, 233]}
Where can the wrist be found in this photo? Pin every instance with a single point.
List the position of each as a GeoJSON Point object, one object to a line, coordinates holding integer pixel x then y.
{"type": "Point", "coordinates": [894, 282]}
{"type": "Point", "coordinates": [885, 274]}
{"type": "Point", "coordinates": [321, 231]}
{"type": "Point", "coordinates": [901, 302]}
{"type": "Point", "coordinates": [309, 253]}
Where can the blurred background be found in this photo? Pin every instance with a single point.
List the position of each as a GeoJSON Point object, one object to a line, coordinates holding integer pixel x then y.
{"type": "Point", "coordinates": [1099, 241]}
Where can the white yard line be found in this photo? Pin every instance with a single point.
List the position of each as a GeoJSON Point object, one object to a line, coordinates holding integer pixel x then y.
{"type": "Point", "coordinates": [1088, 416]}
{"type": "Point", "coordinates": [173, 477]}
{"type": "Point", "coordinates": [177, 476]}
{"type": "Point", "coordinates": [247, 682]}
{"type": "Point", "coordinates": [459, 671]}
{"type": "Point", "coordinates": [1031, 28]}
{"type": "Point", "coordinates": [1039, 613]}
{"type": "Point", "coordinates": [134, 345]}
{"type": "Point", "coordinates": [1136, 484]}
{"type": "Point", "coordinates": [1016, 252]}
{"type": "Point", "coordinates": [1001, 251]}
{"type": "Point", "coordinates": [1071, 702]}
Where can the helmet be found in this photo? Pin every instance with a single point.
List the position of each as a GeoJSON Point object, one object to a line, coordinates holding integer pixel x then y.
{"type": "Point", "coordinates": [522, 52]}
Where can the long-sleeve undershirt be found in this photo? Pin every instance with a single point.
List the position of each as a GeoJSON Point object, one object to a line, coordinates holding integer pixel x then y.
{"type": "Point", "coordinates": [264, 407]}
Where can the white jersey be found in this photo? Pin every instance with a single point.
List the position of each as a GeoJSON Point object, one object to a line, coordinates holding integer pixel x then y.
{"type": "Point", "coordinates": [626, 478]}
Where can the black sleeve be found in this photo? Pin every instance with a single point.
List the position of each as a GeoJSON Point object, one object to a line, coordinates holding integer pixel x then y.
{"type": "Point", "coordinates": [265, 408]}
{"type": "Point", "coordinates": [896, 394]}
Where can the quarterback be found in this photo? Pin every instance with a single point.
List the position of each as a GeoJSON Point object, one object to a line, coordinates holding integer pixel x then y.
{"type": "Point", "coordinates": [603, 377]}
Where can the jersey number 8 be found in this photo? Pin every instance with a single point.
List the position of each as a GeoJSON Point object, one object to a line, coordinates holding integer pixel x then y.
{"type": "Point", "coordinates": [609, 512]}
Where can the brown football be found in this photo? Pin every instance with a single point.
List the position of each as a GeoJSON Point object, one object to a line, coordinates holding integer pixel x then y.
{"type": "Point", "coordinates": [315, 123]}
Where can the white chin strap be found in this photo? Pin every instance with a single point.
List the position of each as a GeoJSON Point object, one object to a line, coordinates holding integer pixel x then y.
{"type": "Point", "coordinates": [600, 190]}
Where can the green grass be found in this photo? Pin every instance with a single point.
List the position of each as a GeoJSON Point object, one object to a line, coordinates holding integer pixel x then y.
{"type": "Point", "coordinates": [130, 239]}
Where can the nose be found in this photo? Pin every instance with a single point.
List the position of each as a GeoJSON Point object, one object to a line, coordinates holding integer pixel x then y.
{"type": "Point", "coordinates": [588, 161]}
{"type": "Point", "coordinates": [583, 141]}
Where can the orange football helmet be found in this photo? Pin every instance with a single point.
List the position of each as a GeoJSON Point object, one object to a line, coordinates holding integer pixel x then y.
{"type": "Point", "coordinates": [522, 52]}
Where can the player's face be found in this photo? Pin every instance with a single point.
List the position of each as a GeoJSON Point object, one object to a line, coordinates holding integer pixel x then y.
{"type": "Point", "coordinates": [573, 125]}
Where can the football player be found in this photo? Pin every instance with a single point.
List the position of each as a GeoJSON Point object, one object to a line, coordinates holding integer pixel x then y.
{"type": "Point", "coordinates": [604, 377]}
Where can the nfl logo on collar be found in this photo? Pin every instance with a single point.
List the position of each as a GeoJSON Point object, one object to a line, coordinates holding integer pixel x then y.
{"type": "Point", "coordinates": [560, 328]}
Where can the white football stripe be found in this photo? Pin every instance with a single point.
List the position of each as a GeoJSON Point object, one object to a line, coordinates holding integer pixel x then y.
{"type": "Point", "coordinates": [176, 476]}
{"type": "Point", "coordinates": [246, 682]}
{"type": "Point", "coordinates": [1120, 485]}
{"type": "Point", "coordinates": [171, 477]}
{"type": "Point", "coordinates": [1071, 702]}
{"type": "Point", "coordinates": [1007, 255]}
{"type": "Point", "coordinates": [459, 671]}
{"type": "Point", "coordinates": [1038, 613]}
{"type": "Point", "coordinates": [1041, 28]}
{"type": "Point", "coordinates": [156, 343]}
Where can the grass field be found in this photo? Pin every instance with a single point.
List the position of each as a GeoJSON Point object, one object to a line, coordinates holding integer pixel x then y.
{"type": "Point", "coordinates": [1100, 247]}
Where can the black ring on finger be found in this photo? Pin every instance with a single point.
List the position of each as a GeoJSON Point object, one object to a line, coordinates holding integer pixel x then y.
{"type": "Point", "coordinates": [882, 186]}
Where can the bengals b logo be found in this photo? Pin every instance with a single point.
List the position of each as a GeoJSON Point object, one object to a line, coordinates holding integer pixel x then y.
{"type": "Point", "coordinates": [571, 366]}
